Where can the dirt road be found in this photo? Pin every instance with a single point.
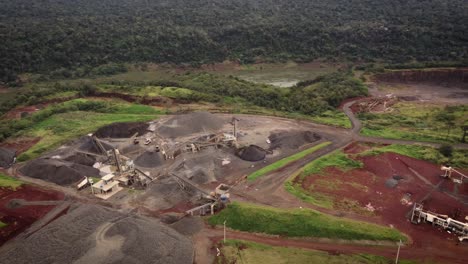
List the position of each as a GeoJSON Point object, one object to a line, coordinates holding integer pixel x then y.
{"type": "Point", "coordinates": [204, 254]}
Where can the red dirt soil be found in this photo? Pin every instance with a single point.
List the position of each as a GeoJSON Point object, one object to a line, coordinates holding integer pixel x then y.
{"type": "Point", "coordinates": [17, 112]}
{"type": "Point", "coordinates": [355, 147]}
{"type": "Point", "coordinates": [20, 144]}
{"type": "Point", "coordinates": [19, 219]}
{"type": "Point", "coordinates": [367, 186]}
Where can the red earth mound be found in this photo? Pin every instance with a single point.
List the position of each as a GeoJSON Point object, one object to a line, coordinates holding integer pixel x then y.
{"type": "Point", "coordinates": [20, 218]}
{"type": "Point", "coordinates": [387, 187]}
{"type": "Point", "coordinates": [21, 112]}
{"type": "Point", "coordinates": [20, 144]}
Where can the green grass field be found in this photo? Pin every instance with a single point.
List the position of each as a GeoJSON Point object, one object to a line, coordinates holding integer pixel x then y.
{"type": "Point", "coordinates": [9, 182]}
{"type": "Point", "coordinates": [459, 157]}
{"type": "Point", "coordinates": [283, 162]}
{"type": "Point", "coordinates": [246, 252]}
{"type": "Point", "coordinates": [60, 128]}
{"type": "Point", "coordinates": [417, 122]}
{"type": "Point", "coordinates": [299, 223]}
{"type": "Point", "coordinates": [336, 159]}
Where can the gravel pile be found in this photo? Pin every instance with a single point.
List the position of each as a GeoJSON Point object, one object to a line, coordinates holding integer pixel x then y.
{"type": "Point", "coordinates": [81, 159]}
{"type": "Point", "coordinates": [292, 139]}
{"type": "Point", "coordinates": [252, 153]}
{"type": "Point", "coordinates": [6, 157]}
{"type": "Point", "coordinates": [122, 130]}
{"type": "Point", "coordinates": [89, 146]}
{"type": "Point", "coordinates": [183, 125]}
{"type": "Point", "coordinates": [166, 193]}
{"type": "Point", "coordinates": [391, 183]}
{"type": "Point", "coordinates": [58, 171]}
{"type": "Point", "coordinates": [188, 225]}
{"type": "Point", "coordinates": [95, 234]}
{"type": "Point", "coordinates": [201, 168]}
{"type": "Point", "coordinates": [150, 159]}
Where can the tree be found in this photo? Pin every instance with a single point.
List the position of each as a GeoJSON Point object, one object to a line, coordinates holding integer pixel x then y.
{"type": "Point", "coordinates": [446, 150]}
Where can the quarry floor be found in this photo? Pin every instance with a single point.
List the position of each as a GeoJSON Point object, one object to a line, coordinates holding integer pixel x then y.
{"type": "Point", "coordinates": [165, 200]}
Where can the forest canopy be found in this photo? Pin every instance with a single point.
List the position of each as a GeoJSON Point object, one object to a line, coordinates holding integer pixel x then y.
{"type": "Point", "coordinates": [59, 35]}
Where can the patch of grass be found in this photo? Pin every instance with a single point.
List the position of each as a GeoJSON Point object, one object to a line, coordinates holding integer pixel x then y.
{"type": "Point", "coordinates": [95, 179]}
{"type": "Point", "coordinates": [57, 129]}
{"type": "Point", "coordinates": [299, 223]}
{"type": "Point", "coordinates": [283, 162]}
{"type": "Point", "coordinates": [61, 95]}
{"type": "Point", "coordinates": [422, 122]}
{"type": "Point", "coordinates": [336, 159]}
{"type": "Point", "coordinates": [459, 157]}
{"type": "Point", "coordinates": [241, 251]}
{"type": "Point", "coordinates": [315, 198]}
{"type": "Point", "coordinates": [333, 118]}
{"type": "Point", "coordinates": [9, 182]}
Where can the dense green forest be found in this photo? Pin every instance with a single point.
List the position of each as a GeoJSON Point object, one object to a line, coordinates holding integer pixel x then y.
{"type": "Point", "coordinates": [75, 36]}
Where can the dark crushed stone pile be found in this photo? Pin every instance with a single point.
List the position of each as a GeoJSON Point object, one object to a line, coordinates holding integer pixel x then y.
{"type": "Point", "coordinates": [96, 234]}
{"type": "Point", "coordinates": [6, 157]}
{"type": "Point", "coordinates": [122, 130]}
{"type": "Point", "coordinates": [183, 125]}
{"type": "Point", "coordinates": [89, 146]}
{"type": "Point", "coordinates": [58, 171]}
{"type": "Point", "coordinates": [150, 159]}
{"type": "Point", "coordinates": [292, 139]}
{"type": "Point", "coordinates": [391, 183]}
{"type": "Point", "coordinates": [188, 225]}
{"type": "Point", "coordinates": [252, 153]}
{"type": "Point", "coordinates": [81, 159]}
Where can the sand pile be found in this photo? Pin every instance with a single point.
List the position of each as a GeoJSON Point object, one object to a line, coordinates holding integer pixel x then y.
{"type": "Point", "coordinates": [122, 130]}
{"type": "Point", "coordinates": [6, 157]}
{"type": "Point", "coordinates": [58, 171]}
{"type": "Point", "coordinates": [183, 125]}
{"type": "Point", "coordinates": [252, 153]}
{"type": "Point", "coordinates": [95, 234]}
{"type": "Point", "coordinates": [150, 159]}
{"type": "Point", "coordinates": [292, 139]}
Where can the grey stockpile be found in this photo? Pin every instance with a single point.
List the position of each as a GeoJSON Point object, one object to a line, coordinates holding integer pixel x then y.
{"type": "Point", "coordinates": [166, 193]}
{"type": "Point", "coordinates": [393, 181]}
{"type": "Point", "coordinates": [58, 171]}
{"type": "Point", "coordinates": [150, 159]}
{"type": "Point", "coordinates": [81, 159]}
{"type": "Point", "coordinates": [122, 130]}
{"type": "Point", "coordinates": [188, 225]}
{"type": "Point", "coordinates": [183, 125]}
{"type": "Point", "coordinates": [6, 157]}
{"type": "Point", "coordinates": [95, 234]}
{"type": "Point", "coordinates": [292, 139]}
{"type": "Point", "coordinates": [201, 168]}
{"type": "Point", "coordinates": [252, 153]}
{"type": "Point", "coordinates": [89, 146]}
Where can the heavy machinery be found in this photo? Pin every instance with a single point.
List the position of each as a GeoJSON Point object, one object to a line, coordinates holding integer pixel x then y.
{"type": "Point", "coordinates": [448, 174]}
{"type": "Point", "coordinates": [419, 215]}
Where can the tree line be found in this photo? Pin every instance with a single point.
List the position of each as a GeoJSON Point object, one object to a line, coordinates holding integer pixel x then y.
{"type": "Point", "coordinates": [68, 37]}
